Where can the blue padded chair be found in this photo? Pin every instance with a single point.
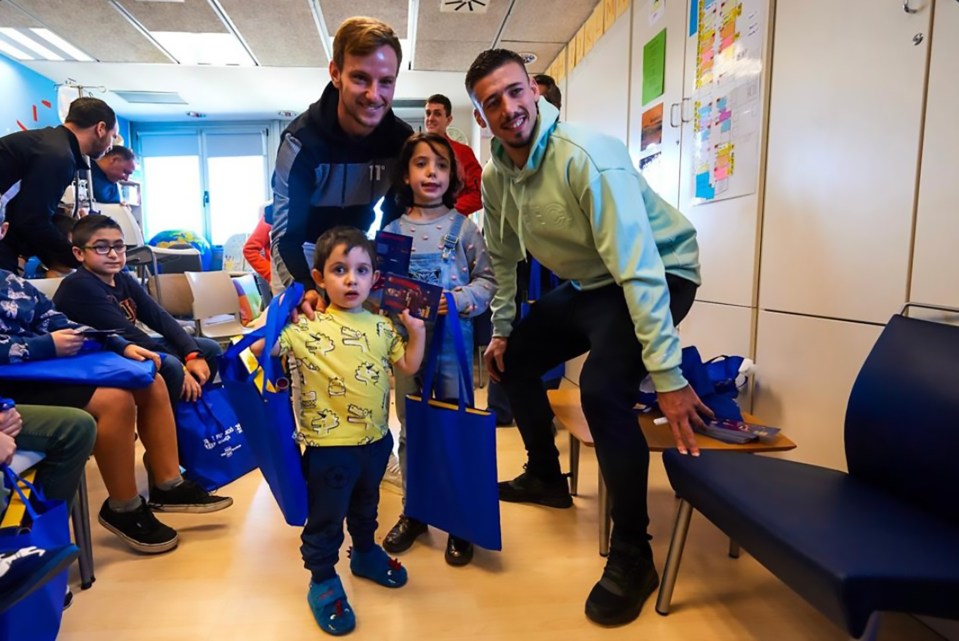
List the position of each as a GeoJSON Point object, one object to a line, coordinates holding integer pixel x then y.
{"type": "Point", "coordinates": [885, 536]}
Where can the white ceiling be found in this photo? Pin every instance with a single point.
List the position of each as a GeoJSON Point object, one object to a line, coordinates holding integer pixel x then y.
{"type": "Point", "coordinates": [284, 37]}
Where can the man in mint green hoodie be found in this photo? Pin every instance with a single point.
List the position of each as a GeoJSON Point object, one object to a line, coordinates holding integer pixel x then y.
{"type": "Point", "coordinates": [572, 198]}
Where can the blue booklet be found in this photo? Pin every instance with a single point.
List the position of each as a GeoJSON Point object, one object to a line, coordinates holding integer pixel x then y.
{"type": "Point", "coordinates": [393, 253]}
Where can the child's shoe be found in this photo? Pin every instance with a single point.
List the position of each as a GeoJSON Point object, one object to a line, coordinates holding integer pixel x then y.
{"type": "Point", "coordinates": [376, 565]}
{"type": "Point", "coordinates": [330, 608]}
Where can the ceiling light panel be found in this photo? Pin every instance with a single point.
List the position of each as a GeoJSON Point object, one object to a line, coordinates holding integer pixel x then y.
{"type": "Point", "coordinates": [218, 49]}
{"type": "Point", "coordinates": [13, 52]}
{"type": "Point", "coordinates": [62, 45]}
{"type": "Point", "coordinates": [29, 43]}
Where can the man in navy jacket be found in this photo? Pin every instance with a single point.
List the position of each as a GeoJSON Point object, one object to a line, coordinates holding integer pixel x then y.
{"type": "Point", "coordinates": [336, 160]}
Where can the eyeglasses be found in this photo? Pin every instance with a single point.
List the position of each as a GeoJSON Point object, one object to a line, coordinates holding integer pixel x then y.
{"type": "Point", "coordinates": [103, 250]}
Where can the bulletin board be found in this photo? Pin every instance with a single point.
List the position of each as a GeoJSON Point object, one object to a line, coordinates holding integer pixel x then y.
{"type": "Point", "coordinates": [727, 101]}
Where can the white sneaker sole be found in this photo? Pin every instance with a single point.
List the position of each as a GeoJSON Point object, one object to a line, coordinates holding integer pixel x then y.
{"type": "Point", "coordinates": [196, 508]}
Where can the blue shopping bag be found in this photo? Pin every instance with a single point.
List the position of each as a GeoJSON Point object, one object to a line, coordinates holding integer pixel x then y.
{"type": "Point", "coordinates": [36, 617]}
{"type": "Point", "coordinates": [533, 294]}
{"type": "Point", "coordinates": [713, 381]}
{"type": "Point", "coordinates": [212, 444]}
{"type": "Point", "coordinates": [451, 453]}
{"type": "Point", "coordinates": [100, 368]}
{"type": "Point", "coordinates": [267, 410]}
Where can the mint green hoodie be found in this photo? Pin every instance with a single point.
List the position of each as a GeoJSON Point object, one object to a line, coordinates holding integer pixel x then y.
{"type": "Point", "coordinates": [586, 214]}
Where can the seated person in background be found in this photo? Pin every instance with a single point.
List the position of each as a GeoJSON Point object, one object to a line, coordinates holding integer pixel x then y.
{"type": "Point", "coordinates": [109, 169]}
{"type": "Point", "coordinates": [65, 435]}
{"type": "Point", "coordinates": [100, 294]}
{"type": "Point", "coordinates": [31, 329]}
{"type": "Point", "coordinates": [256, 251]}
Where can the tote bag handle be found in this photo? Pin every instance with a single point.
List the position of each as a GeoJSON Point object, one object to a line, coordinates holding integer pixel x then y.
{"type": "Point", "coordinates": [280, 309]}
{"type": "Point", "coordinates": [442, 322]}
{"type": "Point", "coordinates": [14, 480]}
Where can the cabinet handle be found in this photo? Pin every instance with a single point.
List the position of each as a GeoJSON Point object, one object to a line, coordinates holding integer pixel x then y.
{"type": "Point", "coordinates": [907, 8]}
{"type": "Point", "coordinates": [672, 114]}
{"type": "Point", "coordinates": [682, 112]}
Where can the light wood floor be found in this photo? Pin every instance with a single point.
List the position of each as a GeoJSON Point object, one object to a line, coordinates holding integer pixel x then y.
{"type": "Point", "coordinates": [237, 576]}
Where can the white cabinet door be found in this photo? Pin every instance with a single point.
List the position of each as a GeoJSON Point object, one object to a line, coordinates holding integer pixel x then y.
{"type": "Point", "coordinates": [844, 131]}
{"type": "Point", "coordinates": [935, 265]}
{"type": "Point", "coordinates": [805, 368]}
{"type": "Point", "coordinates": [717, 329]}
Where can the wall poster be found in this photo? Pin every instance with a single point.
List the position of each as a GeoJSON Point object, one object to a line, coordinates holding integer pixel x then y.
{"type": "Point", "coordinates": [727, 103]}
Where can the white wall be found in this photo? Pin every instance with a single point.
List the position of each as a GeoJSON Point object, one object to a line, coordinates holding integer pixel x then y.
{"type": "Point", "coordinates": [804, 277]}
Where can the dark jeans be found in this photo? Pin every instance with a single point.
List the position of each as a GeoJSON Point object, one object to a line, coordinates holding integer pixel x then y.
{"type": "Point", "coordinates": [562, 325]}
{"type": "Point", "coordinates": [171, 368]}
{"type": "Point", "coordinates": [341, 483]}
{"type": "Point", "coordinates": [66, 435]}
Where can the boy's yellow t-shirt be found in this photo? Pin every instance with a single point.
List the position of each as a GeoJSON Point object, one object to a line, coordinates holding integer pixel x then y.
{"type": "Point", "coordinates": [343, 362]}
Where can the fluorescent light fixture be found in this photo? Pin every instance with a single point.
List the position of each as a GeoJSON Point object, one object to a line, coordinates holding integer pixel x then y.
{"type": "Point", "coordinates": [13, 52]}
{"type": "Point", "coordinates": [221, 49]}
{"type": "Point", "coordinates": [326, 40]}
{"type": "Point", "coordinates": [413, 17]}
{"type": "Point", "coordinates": [62, 45]}
{"type": "Point", "coordinates": [29, 43]}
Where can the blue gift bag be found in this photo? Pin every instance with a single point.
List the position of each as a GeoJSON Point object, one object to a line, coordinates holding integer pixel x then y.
{"type": "Point", "coordinates": [45, 526]}
{"type": "Point", "coordinates": [212, 445]}
{"type": "Point", "coordinates": [713, 381]}
{"type": "Point", "coordinates": [267, 410]}
{"type": "Point", "coordinates": [533, 294]}
{"type": "Point", "coordinates": [103, 369]}
{"type": "Point", "coordinates": [451, 453]}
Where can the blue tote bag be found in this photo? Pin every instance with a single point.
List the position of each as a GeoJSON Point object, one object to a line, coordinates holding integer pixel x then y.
{"type": "Point", "coordinates": [37, 617]}
{"type": "Point", "coordinates": [713, 381]}
{"type": "Point", "coordinates": [212, 444]}
{"type": "Point", "coordinates": [267, 410]}
{"type": "Point", "coordinates": [100, 368]}
{"type": "Point", "coordinates": [534, 293]}
{"type": "Point", "coordinates": [451, 454]}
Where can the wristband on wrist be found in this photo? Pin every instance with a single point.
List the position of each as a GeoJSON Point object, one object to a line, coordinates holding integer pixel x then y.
{"type": "Point", "coordinates": [191, 356]}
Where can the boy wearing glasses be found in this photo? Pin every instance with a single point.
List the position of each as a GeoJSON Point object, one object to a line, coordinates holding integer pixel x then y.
{"type": "Point", "coordinates": [32, 330]}
{"type": "Point", "coordinates": [100, 294]}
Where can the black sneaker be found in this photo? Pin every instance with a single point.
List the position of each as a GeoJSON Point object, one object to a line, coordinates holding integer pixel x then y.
{"type": "Point", "coordinates": [139, 529]}
{"type": "Point", "coordinates": [527, 488]}
{"type": "Point", "coordinates": [187, 497]}
{"type": "Point", "coordinates": [401, 536]}
{"type": "Point", "coordinates": [628, 580]}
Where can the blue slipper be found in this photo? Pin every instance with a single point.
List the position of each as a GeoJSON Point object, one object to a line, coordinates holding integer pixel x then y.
{"type": "Point", "coordinates": [330, 608]}
{"type": "Point", "coordinates": [376, 565]}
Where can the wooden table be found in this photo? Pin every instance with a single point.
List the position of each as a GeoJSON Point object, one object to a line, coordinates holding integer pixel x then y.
{"type": "Point", "coordinates": [569, 414]}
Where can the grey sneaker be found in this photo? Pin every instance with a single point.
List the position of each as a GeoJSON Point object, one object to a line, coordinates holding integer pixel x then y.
{"type": "Point", "coordinates": [393, 476]}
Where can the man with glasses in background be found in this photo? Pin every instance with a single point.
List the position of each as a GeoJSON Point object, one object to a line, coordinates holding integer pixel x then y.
{"type": "Point", "coordinates": [108, 171]}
